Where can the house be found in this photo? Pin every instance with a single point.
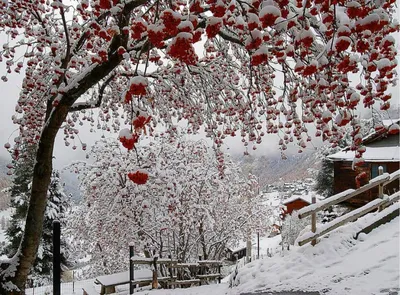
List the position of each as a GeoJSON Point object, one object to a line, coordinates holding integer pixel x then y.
{"type": "Point", "coordinates": [382, 149]}
{"type": "Point", "coordinates": [235, 254]}
{"type": "Point", "coordinates": [275, 230]}
{"type": "Point", "coordinates": [295, 203]}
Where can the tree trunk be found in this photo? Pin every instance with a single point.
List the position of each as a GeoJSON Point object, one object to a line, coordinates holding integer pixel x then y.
{"type": "Point", "coordinates": [26, 254]}
{"type": "Point", "coordinates": [203, 242]}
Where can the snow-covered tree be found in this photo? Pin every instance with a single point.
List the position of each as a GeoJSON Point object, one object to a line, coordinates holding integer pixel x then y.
{"type": "Point", "coordinates": [19, 201]}
{"type": "Point", "coordinates": [291, 228]}
{"type": "Point", "coordinates": [267, 67]}
{"type": "Point", "coordinates": [185, 208]}
{"type": "Point", "coordinates": [5, 186]}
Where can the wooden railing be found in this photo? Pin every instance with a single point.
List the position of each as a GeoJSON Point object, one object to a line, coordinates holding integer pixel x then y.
{"type": "Point", "coordinates": [176, 272]}
{"type": "Point", "coordinates": [381, 202]}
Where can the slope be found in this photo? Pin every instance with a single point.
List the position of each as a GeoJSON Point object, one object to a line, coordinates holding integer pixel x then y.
{"type": "Point", "coordinates": [337, 265]}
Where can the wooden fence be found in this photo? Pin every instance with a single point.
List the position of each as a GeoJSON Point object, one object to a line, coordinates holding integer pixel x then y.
{"type": "Point", "coordinates": [176, 274]}
{"type": "Point", "coordinates": [380, 203]}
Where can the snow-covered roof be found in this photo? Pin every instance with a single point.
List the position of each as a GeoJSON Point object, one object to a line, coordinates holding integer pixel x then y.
{"type": "Point", "coordinates": [372, 154]}
{"type": "Point", "coordinates": [376, 135]}
{"type": "Point", "coordinates": [389, 122]}
{"type": "Point", "coordinates": [239, 247]}
{"type": "Point", "coordinates": [307, 198]}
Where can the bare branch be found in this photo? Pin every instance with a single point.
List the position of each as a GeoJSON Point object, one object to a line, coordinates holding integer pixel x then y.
{"type": "Point", "coordinates": [79, 106]}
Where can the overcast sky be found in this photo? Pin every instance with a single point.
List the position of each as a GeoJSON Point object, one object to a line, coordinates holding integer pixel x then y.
{"type": "Point", "coordinates": [64, 155]}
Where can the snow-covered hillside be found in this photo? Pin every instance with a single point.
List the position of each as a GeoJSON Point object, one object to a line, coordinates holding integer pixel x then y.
{"type": "Point", "coordinates": [338, 265]}
{"type": "Point", "coordinates": [275, 170]}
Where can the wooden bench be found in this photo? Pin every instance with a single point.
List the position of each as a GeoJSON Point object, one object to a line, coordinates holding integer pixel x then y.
{"type": "Point", "coordinates": [109, 282]}
{"type": "Point", "coordinates": [90, 291]}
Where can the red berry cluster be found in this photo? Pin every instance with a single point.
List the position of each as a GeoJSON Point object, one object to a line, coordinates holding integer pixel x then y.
{"type": "Point", "coordinates": [138, 177]}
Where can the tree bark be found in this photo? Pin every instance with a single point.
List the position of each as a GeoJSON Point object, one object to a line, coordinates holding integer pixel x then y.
{"type": "Point", "coordinates": [26, 255]}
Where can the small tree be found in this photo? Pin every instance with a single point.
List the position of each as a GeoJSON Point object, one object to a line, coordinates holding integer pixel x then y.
{"type": "Point", "coordinates": [325, 177]}
{"type": "Point", "coordinates": [291, 228]}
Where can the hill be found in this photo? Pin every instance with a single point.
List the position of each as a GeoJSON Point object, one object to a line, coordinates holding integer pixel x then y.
{"type": "Point", "coordinates": [275, 170]}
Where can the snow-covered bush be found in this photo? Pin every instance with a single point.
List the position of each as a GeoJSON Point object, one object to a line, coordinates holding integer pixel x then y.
{"type": "Point", "coordinates": [292, 226]}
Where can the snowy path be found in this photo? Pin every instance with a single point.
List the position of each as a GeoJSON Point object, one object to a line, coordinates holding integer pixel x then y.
{"type": "Point", "coordinates": [283, 293]}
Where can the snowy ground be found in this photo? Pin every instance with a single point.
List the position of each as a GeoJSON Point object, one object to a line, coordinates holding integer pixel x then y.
{"type": "Point", "coordinates": [339, 265]}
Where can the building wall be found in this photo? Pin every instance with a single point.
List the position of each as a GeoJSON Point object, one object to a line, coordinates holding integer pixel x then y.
{"type": "Point", "coordinates": [345, 178]}
{"type": "Point", "coordinates": [295, 205]}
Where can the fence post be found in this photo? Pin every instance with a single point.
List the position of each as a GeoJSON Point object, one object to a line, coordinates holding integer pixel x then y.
{"type": "Point", "coordinates": [314, 221]}
{"type": "Point", "coordinates": [56, 258]}
{"type": "Point", "coordinates": [200, 269]}
{"type": "Point", "coordinates": [380, 187]}
{"type": "Point", "coordinates": [154, 284]}
{"type": "Point", "coordinates": [219, 271]}
{"type": "Point", "coordinates": [131, 271]}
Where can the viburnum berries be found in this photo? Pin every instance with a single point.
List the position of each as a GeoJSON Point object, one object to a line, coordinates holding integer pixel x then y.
{"type": "Point", "coordinates": [128, 139]}
{"type": "Point", "coordinates": [342, 43]}
{"type": "Point", "coordinates": [156, 35]}
{"type": "Point", "coordinates": [107, 4]}
{"type": "Point", "coordinates": [140, 122]}
{"type": "Point", "coordinates": [213, 27]}
{"type": "Point", "coordinates": [260, 56]}
{"type": "Point", "coordinates": [181, 48]}
{"type": "Point", "coordinates": [171, 20]}
{"type": "Point", "coordinates": [394, 129]}
{"type": "Point", "coordinates": [138, 177]}
{"type": "Point", "coordinates": [138, 85]}
{"type": "Point", "coordinates": [138, 28]}
{"type": "Point", "coordinates": [268, 15]}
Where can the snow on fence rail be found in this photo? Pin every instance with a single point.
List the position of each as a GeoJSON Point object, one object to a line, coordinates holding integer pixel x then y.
{"type": "Point", "coordinates": [382, 202]}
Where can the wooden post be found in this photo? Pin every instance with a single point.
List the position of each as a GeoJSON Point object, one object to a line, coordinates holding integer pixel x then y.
{"type": "Point", "coordinates": [131, 270]}
{"type": "Point", "coordinates": [380, 187]}
{"type": "Point", "coordinates": [154, 284]}
{"type": "Point", "coordinates": [56, 258]}
{"type": "Point", "coordinates": [314, 221]}
{"type": "Point", "coordinates": [199, 271]}
{"type": "Point", "coordinates": [219, 271]}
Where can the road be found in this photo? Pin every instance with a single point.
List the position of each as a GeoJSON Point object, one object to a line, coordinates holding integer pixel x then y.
{"type": "Point", "coordinates": [282, 293]}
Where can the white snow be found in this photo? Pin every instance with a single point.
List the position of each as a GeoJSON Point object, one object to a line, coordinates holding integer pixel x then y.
{"type": "Point", "coordinates": [372, 154]}
{"type": "Point", "coordinates": [139, 80]}
{"type": "Point", "coordinates": [338, 265]}
{"type": "Point", "coordinates": [125, 133]}
{"type": "Point", "coordinates": [269, 10]}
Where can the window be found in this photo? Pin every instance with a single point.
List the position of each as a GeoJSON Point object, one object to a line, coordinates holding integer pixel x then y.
{"type": "Point", "coordinates": [374, 169]}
